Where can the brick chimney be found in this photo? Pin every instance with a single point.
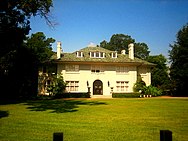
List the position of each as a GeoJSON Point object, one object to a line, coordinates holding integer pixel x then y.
{"type": "Point", "coordinates": [131, 51]}
{"type": "Point", "coordinates": [59, 50]}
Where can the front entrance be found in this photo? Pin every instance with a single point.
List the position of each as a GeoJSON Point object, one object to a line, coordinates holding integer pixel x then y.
{"type": "Point", "coordinates": [97, 87]}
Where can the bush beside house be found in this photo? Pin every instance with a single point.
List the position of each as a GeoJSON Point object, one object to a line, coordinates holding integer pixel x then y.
{"type": "Point", "coordinates": [126, 95]}
{"type": "Point", "coordinates": [151, 90]}
{"type": "Point", "coordinates": [140, 89]}
{"type": "Point", "coordinates": [57, 85]}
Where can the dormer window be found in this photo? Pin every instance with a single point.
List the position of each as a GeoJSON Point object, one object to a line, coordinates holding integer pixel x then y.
{"type": "Point", "coordinates": [79, 54]}
{"type": "Point", "coordinates": [92, 54]}
{"type": "Point", "coordinates": [102, 54]}
{"type": "Point", "coordinates": [97, 54]}
{"type": "Point", "coordinates": [114, 54]}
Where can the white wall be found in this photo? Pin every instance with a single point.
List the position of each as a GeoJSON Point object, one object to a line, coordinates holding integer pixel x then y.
{"type": "Point", "coordinates": [145, 74]}
{"type": "Point", "coordinates": [109, 74]}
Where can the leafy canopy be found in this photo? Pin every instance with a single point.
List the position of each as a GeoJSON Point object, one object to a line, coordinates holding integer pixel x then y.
{"type": "Point", "coordinates": [159, 73]}
{"type": "Point", "coordinates": [18, 69]}
{"type": "Point", "coordinates": [179, 59]}
{"type": "Point", "coordinates": [119, 42]}
{"type": "Point", "coordinates": [40, 46]}
{"type": "Point", "coordinates": [15, 21]}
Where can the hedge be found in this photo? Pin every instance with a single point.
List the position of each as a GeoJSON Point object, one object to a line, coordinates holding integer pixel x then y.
{"type": "Point", "coordinates": [126, 95]}
{"type": "Point", "coordinates": [73, 95]}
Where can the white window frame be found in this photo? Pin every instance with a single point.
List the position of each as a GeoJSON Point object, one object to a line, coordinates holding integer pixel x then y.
{"type": "Point", "coordinates": [92, 54]}
{"type": "Point", "coordinates": [101, 54]}
{"type": "Point", "coordinates": [97, 54]}
{"type": "Point", "coordinates": [114, 54]}
{"type": "Point", "coordinates": [72, 86]}
{"type": "Point", "coordinates": [79, 54]}
{"type": "Point", "coordinates": [122, 86]}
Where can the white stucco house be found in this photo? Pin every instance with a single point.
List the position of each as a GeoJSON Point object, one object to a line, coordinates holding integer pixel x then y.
{"type": "Point", "coordinates": [101, 71]}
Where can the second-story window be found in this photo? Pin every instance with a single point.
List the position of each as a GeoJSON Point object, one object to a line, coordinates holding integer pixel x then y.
{"type": "Point", "coordinates": [72, 68]}
{"type": "Point", "coordinates": [97, 54]}
{"type": "Point", "coordinates": [102, 54]}
{"type": "Point", "coordinates": [79, 54]}
{"type": "Point", "coordinates": [97, 69]}
{"type": "Point", "coordinates": [92, 54]}
{"type": "Point", "coordinates": [122, 70]}
{"type": "Point", "coordinates": [114, 54]}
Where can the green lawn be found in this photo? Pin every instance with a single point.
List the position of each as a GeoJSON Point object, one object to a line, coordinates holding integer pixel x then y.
{"type": "Point", "coordinates": [95, 119]}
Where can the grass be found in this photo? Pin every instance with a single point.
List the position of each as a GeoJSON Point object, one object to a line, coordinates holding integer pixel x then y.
{"type": "Point", "coordinates": [95, 119]}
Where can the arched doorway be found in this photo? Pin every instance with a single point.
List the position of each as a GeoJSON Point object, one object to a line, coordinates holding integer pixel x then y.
{"type": "Point", "coordinates": [97, 87]}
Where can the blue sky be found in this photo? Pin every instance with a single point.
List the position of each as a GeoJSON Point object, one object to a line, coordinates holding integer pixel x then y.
{"type": "Point", "coordinates": [79, 22]}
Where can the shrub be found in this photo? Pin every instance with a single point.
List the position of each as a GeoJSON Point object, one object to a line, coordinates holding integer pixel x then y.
{"type": "Point", "coordinates": [151, 90]}
{"type": "Point", "coordinates": [139, 85]}
{"type": "Point", "coordinates": [57, 86]}
{"type": "Point", "coordinates": [126, 95]}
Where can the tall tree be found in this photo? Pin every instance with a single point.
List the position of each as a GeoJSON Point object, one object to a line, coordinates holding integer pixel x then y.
{"type": "Point", "coordinates": [40, 47]}
{"type": "Point", "coordinates": [120, 42]}
{"type": "Point", "coordinates": [103, 44]}
{"type": "Point", "coordinates": [179, 59]}
{"type": "Point", "coordinates": [159, 73]}
{"type": "Point", "coordinates": [14, 26]}
{"type": "Point", "coordinates": [39, 51]}
{"type": "Point", "coordinates": [141, 50]}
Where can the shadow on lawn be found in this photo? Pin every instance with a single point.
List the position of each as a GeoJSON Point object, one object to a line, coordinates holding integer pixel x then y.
{"type": "Point", "coordinates": [4, 114]}
{"type": "Point", "coordinates": [60, 106]}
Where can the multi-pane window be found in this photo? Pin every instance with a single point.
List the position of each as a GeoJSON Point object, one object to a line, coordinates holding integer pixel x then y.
{"type": "Point", "coordinates": [114, 54]}
{"type": "Point", "coordinates": [79, 54]}
{"type": "Point", "coordinates": [97, 54]}
{"type": "Point", "coordinates": [122, 86]}
{"type": "Point", "coordinates": [121, 69]}
{"type": "Point", "coordinates": [72, 86]}
{"type": "Point", "coordinates": [97, 69]}
{"type": "Point", "coordinates": [92, 54]}
{"type": "Point", "coordinates": [101, 54]}
{"type": "Point", "coordinates": [72, 68]}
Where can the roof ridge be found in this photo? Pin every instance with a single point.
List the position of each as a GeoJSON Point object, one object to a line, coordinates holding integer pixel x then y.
{"type": "Point", "coordinates": [97, 48]}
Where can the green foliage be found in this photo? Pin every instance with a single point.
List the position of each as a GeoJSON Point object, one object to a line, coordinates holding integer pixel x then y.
{"type": "Point", "coordinates": [151, 90]}
{"type": "Point", "coordinates": [139, 85]}
{"type": "Point", "coordinates": [141, 50]}
{"type": "Point", "coordinates": [103, 44]}
{"type": "Point", "coordinates": [159, 73]}
{"type": "Point", "coordinates": [57, 85]}
{"type": "Point", "coordinates": [18, 70]}
{"type": "Point", "coordinates": [126, 95]}
{"type": "Point", "coordinates": [119, 42]}
{"type": "Point", "coordinates": [15, 21]}
{"type": "Point", "coordinates": [179, 58]}
{"type": "Point", "coordinates": [40, 47]}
